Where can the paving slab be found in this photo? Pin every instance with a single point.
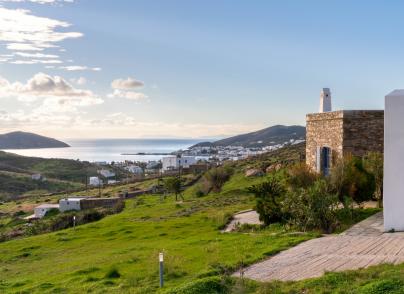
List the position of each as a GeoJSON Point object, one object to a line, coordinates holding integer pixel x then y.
{"type": "Point", "coordinates": [363, 245]}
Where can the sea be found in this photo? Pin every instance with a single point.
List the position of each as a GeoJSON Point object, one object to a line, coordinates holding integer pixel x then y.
{"type": "Point", "coordinates": [108, 150]}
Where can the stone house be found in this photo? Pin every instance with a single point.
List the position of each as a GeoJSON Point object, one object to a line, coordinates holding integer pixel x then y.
{"type": "Point", "coordinates": [333, 134]}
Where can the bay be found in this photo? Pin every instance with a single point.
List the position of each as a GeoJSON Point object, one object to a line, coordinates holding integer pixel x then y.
{"type": "Point", "coordinates": [110, 149]}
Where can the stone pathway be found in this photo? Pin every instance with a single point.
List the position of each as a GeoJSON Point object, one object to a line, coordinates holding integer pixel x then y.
{"type": "Point", "coordinates": [362, 246]}
{"type": "Point", "coordinates": [244, 217]}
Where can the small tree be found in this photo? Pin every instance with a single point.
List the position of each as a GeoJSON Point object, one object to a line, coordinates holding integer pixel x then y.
{"type": "Point", "coordinates": [373, 162]}
{"type": "Point", "coordinates": [268, 197]}
{"type": "Point", "coordinates": [173, 185]}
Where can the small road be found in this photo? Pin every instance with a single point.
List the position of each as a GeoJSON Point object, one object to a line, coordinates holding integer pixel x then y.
{"type": "Point", "coordinates": [361, 246]}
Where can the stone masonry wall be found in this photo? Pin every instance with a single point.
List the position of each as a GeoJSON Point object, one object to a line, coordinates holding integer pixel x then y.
{"type": "Point", "coordinates": [346, 132]}
{"type": "Point", "coordinates": [363, 131]}
{"type": "Point", "coordinates": [323, 130]}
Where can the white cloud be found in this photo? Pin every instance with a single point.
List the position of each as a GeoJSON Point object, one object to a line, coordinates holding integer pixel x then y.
{"type": "Point", "coordinates": [79, 68]}
{"type": "Point", "coordinates": [128, 95]}
{"type": "Point", "coordinates": [36, 55]}
{"type": "Point", "coordinates": [29, 32]}
{"type": "Point", "coordinates": [80, 81]}
{"type": "Point", "coordinates": [24, 32]}
{"type": "Point", "coordinates": [36, 61]}
{"type": "Point", "coordinates": [57, 93]}
{"type": "Point", "coordinates": [126, 84]}
{"type": "Point", "coordinates": [122, 89]}
{"type": "Point", "coordinates": [39, 1]}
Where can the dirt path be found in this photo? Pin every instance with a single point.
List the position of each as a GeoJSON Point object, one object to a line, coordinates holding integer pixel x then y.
{"type": "Point", "coordinates": [362, 246]}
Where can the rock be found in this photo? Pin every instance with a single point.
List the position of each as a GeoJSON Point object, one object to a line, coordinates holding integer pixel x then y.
{"type": "Point", "coordinates": [254, 172]}
{"type": "Point", "coordinates": [273, 167]}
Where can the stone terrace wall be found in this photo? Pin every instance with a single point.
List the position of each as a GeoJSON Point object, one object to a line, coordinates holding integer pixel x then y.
{"type": "Point", "coordinates": [363, 131]}
{"type": "Point", "coordinates": [323, 129]}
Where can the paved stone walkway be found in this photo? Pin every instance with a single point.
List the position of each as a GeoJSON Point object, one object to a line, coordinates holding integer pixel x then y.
{"type": "Point", "coordinates": [244, 217]}
{"type": "Point", "coordinates": [362, 246]}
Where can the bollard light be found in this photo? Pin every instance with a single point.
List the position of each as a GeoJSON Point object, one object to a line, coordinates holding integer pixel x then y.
{"type": "Point", "coordinates": [161, 262]}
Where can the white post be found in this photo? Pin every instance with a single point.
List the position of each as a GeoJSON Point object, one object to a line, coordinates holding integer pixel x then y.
{"type": "Point", "coordinates": [393, 186]}
{"type": "Point", "coordinates": [161, 269]}
{"type": "Point", "coordinates": [325, 100]}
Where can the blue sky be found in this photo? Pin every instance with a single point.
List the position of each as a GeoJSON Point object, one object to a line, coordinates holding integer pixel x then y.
{"type": "Point", "coordinates": [192, 68]}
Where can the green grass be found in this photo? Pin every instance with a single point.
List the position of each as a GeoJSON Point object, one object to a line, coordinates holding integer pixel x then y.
{"type": "Point", "coordinates": [381, 279]}
{"type": "Point", "coordinates": [128, 243]}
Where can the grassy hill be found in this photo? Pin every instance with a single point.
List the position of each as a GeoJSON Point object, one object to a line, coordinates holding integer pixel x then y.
{"type": "Point", "coordinates": [119, 254]}
{"type": "Point", "coordinates": [23, 140]}
{"type": "Point", "coordinates": [269, 136]}
{"type": "Point", "coordinates": [62, 174]}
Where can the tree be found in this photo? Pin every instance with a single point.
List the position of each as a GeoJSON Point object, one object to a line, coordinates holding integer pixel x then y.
{"type": "Point", "coordinates": [173, 185]}
{"type": "Point", "coordinates": [373, 162]}
{"type": "Point", "coordinates": [269, 197]}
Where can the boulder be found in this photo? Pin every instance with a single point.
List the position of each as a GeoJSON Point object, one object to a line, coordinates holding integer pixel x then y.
{"type": "Point", "coordinates": [254, 172]}
{"type": "Point", "coordinates": [273, 167]}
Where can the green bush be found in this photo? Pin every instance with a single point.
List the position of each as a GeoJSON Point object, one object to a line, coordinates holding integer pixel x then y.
{"type": "Point", "coordinates": [383, 286]}
{"type": "Point", "coordinates": [349, 178]}
{"type": "Point", "coordinates": [300, 176]}
{"type": "Point", "coordinates": [373, 163]}
{"type": "Point", "coordinates": [313, 208]}
{"type": "Point", "coordinates": [209, 285]}
{"type": "Point", "coordinates": [269, 196]}
{"type": "Point", "coordinates": [215, 178]}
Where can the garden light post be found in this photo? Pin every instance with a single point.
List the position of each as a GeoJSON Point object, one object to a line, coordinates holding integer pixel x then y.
{"type": "Point", "coordinates": [74, 222]}
{"type": "Point", "coordinates": [161, 262]}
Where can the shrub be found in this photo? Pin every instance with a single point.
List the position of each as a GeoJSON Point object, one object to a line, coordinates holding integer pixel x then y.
{"type": "Point", "coordinates": [268, 197]}
{"type": "Point", "coordinates": [350, 178]}
{"type": "Point", "coordinates": [217, 177]}
{"type": "Point", "coordinates": [373, 163]}
{"type": "Point", "coordinates": [211, 285]}
{"type": "Point", "coordinates": [112, 273]}
{"type": "Point", "coordinates": [313, 208]}
{"type": "Point", "coordinates": [301, 176]}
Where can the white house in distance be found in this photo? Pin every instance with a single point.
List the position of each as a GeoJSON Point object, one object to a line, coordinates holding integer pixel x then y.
{"type": "Point", "coordinates": [106, 173]}
{"type": "Point", "coordinates": [174, 162]}
{"type": "Point", "coordinates": [95, 181]}
{"type": "Point", "coordinates": [38, 177]}
{"type": "Point", "coordinates": [134, 169]}
{"type": "Point", "coordinates": [41, 210]}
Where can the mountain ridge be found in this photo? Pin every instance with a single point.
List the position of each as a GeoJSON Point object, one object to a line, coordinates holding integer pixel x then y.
{"type": "Point", "coordinates": [273, 135]}
{"type": "Point", "coordinates": [25, 140]}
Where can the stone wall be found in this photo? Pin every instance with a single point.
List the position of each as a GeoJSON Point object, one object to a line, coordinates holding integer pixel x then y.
{"type": "Point", "coordinates": [323, 130]}
{"type": "Point", "coordinates": [363, 131]}
{"type": "Point", "coordinates": [346, 132]}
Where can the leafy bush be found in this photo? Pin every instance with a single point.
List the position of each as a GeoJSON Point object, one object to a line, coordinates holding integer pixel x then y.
{"type": "Point", "coordinates": [349, 178]}
{"type": "Point", "coordinates": [211, 285]}
{"type": "Point", "coordinates": [383, 286]}
{"type": "Point", "coordinates": [112, 273]}
{"type": "Point", "coordinates": [373, 163]}
{"type": "Point", "coordinates": [313, 208]}
{"type": "Point", "coordinates": [216, 177]}
{"type": "Point", "coordinates": [269, 197]}
{"type": "Point", "coordinates": [301, 176]}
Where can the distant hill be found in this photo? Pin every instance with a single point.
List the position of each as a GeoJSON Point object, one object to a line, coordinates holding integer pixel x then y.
{"type": "Point", "coordinates": [269, 136]}
{"type": "Point", "coordinates": [22, 140]}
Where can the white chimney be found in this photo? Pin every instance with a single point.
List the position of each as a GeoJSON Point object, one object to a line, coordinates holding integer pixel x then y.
{"type": "Point", "coordinates": [325, 100]}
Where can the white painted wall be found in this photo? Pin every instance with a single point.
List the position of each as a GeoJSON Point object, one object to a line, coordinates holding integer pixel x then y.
{"type": "Point", "coordinates": [393, 194]}
{"type": "Point", "coordinates": [173, 162]}
{"type": "Point", "coordinates": [69, 204]}
{"type": "Point", "coordinates": [325, 100]}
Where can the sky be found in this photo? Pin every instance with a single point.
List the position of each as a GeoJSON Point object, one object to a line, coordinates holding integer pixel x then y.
{"type": "Point", "coordinates": [190, 69]}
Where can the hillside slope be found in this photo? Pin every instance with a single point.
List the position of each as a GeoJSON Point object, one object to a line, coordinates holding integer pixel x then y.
{"type": "Point", "coordinates": [23, 140]}
{"type": "Point", "coordinates": [270, 136]}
